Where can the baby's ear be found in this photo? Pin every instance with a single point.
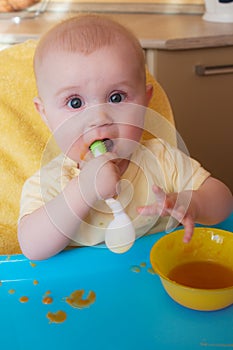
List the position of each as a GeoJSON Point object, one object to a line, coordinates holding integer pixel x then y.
{"type": "Point", "coordinates": [149, 92]}
{"type": "Point", "coordinates": [40, 108]}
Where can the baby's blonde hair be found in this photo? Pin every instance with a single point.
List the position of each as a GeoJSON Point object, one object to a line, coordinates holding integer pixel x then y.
{"type": "Point", "coordinates": [86, 34]}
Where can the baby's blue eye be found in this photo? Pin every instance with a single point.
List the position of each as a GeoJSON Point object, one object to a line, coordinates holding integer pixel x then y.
{"type": "Point", "coordinates": [117, 98]}
{"type": "Point", "coordinates": [75, 103]}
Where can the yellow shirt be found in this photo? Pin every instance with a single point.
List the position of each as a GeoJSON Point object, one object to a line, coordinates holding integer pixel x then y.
{"type": "Point", "coordinates": [153, 162]}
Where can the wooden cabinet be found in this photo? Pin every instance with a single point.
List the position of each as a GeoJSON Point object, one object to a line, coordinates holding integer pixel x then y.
{"type": "Point", "coordinates": [199, 84]}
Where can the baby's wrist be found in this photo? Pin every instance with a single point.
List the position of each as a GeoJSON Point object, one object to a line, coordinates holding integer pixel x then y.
{"type": "Point", "coordinates": [88, 193]}
{"type": "Point", "coordinates": [194, 207]}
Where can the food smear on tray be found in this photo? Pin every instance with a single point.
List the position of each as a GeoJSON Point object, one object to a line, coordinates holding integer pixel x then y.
{"type": "Point", "coordinates": [57, 317]}
{"type": "Point", "coordinates": [24, 299]}
{"type": "Point", "coordinates": [76, 299]}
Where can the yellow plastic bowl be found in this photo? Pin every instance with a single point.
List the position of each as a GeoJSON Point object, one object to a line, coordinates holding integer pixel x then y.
{"type": "Point", "coordinates": [207, 244]}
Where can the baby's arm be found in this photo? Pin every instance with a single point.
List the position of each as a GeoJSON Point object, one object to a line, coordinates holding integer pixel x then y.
{"type": "Point", "coordinates": [49, 229]}
{"type": "Point", "coordinates": [210, 204]}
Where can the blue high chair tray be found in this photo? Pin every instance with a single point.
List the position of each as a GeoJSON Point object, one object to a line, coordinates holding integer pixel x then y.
{"type": "Point", "coordinates": [91, 298]}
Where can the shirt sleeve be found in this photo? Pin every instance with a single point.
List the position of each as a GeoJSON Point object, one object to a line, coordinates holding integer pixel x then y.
{"type": "Point", "coordinates": [46, 184]}
{"type": "Point", "coordinates": [31, 198]}
{"type": "Point", "coordinates": [180, 171]}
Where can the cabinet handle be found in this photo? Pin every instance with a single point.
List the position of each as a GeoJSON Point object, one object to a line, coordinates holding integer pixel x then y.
{"type": "Point", "coordinates": [202, 70]}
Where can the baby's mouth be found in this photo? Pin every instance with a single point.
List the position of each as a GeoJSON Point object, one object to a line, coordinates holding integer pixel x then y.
{"type": "Point", "coordinates": [108, 144]}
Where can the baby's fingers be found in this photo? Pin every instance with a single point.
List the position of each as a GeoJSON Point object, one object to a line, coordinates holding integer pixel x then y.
{"type": "Point", "coordinates": [160, 195]}
{"type": "Point", "coordinates": [177, 213]}
{"type": "Point", "coordinates": [186, 220]}
{"type": "Point", "coordinates": [188, 223]}
{"type": "Point", "coordinates": [147, 210]}
{"type": "Point", "coordinates": [157, 208]}
{"type": "Point", "coordinates": [153, 209]}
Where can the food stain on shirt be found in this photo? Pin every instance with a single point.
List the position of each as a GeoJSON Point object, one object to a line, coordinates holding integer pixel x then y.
{"type": "Point", "coordinates": [35, 282]}
{"type": "Point", "coordinates": [56, 317]}
{"type": "Point", "coordinates": [76, 299]}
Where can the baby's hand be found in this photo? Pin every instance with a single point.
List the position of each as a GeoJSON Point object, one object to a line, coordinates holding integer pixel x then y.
{"type": "Point", "coordinates": [175, 205]}
{"type": "Point", "coordinates": [99, 177]}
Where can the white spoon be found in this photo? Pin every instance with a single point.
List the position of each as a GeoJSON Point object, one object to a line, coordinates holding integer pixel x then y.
{"type": "Point", "coordinates": [120, 233]}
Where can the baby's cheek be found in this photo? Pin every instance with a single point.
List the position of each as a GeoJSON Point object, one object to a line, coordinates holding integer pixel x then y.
{"type": "Point", "coordinates": [78, 152]}
{"type": "Point", "coordinates": [82, 151]}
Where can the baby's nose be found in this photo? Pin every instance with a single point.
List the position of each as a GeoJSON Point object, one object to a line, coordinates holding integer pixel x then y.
{"type": "Point", "coordinates": [99, 118]}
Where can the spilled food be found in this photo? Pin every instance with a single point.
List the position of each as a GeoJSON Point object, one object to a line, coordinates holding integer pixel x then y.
{"type": "Point", "coordinates": [56, 317]}
{"type": "Point", "coordinates": [76, 299]}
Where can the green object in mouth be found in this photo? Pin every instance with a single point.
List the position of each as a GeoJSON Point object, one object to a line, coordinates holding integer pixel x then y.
{"type": "Point", "coordinates": [97, 148]}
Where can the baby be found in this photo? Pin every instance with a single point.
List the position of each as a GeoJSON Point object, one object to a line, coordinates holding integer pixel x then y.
{"type": "Point", "coordinates": [91, 81]}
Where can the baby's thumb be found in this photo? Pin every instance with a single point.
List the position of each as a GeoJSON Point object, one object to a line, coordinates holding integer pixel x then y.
{"type": "Point", "coordinates": [147, 210]}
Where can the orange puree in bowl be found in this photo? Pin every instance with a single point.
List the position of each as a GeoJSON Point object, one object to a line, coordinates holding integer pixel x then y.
{"type": "Point", "coordinates": [202, 274]}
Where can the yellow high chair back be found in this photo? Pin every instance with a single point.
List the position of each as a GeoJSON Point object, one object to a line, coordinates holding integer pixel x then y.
{"type": "Point", "coordinates": [24, 135]}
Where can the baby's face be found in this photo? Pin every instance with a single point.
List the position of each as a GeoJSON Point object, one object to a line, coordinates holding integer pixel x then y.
{"type": "Point", "coordinates": [90, 97]}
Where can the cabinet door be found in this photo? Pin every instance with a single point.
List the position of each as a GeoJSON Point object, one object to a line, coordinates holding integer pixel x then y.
{"type": "Point", "coordinates": [199, 84]}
